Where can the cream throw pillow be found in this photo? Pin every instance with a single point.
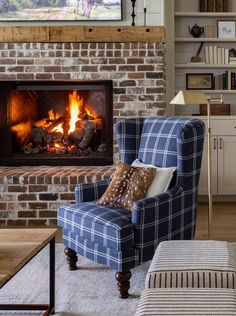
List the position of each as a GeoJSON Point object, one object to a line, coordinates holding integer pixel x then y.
{"type": "Point", "coordinates": [161, 180]}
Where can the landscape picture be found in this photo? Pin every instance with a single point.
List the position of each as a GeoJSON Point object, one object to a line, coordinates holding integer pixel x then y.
{"type": "Point", "coordinates": [59, 10]}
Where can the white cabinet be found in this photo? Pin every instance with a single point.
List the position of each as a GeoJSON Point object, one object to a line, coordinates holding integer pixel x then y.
{"type": "Point", "coordinates": [203, 185]}
{"type": "Point", "coordinates": [223, 158]}
{"type": "Point", "coordinates": [227, 165]}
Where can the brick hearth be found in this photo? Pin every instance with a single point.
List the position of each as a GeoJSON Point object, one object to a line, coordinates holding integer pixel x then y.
{"type": "Point", "coordinates": [31, 196]}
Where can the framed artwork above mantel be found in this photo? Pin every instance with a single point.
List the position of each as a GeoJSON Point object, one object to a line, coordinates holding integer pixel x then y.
{"type": "Point", "coordinates": [60, 10]}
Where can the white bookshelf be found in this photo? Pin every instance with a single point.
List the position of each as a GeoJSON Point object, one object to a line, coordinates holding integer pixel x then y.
{"type": "Point", "coordinates": [206, 14]}
{"type": "Point", "coordinates": [217, 91]}
{"type": "Point", "coordinates": [181, 46]}
{"type": "Point", "coordinates": [206, 66]}
{"type": "Point", "coordinates": [204, 39]}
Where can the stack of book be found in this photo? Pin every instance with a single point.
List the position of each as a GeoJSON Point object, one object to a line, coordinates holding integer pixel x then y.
{"type": "Point", "coordinates": [232, 60]}
{"type": "Point", "coordinates": [225, 81]}
{"type": "Point", "coordinates": [216, 55]}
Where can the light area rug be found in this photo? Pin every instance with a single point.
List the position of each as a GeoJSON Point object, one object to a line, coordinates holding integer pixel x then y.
{"type": "Point", "coordinates": [89, 291]}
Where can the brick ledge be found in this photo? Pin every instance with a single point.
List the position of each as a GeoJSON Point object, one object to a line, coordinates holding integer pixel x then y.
{"type": "Point", "coordinates": [53, 175]}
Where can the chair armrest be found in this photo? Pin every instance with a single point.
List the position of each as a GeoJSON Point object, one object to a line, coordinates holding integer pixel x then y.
{"type": "Point", "coordinates": [150, 209]}
{"type": "Point", "coordinates": [169, 215]}
{"type": "Point", "coordinates": [87, 192]}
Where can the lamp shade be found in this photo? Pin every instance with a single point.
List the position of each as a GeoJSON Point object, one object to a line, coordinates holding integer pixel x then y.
{"type": "Point", "coordinates": [189, 97]}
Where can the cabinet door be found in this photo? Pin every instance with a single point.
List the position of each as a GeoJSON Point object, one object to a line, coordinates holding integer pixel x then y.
{"type": "Point", "coordinates": [203, 184]}
{"type": "Point", "coordinates": [227, 165]}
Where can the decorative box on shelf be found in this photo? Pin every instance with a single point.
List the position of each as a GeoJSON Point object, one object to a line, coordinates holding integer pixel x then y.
{"type": "Point", "coordinates": [216, 109]}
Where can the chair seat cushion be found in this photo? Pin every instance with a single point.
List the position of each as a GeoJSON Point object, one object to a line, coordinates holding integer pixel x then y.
{"type": "Point", "coordinates": [193, 264]}
{"type": "Point", "coordinates": [189, 302]}
{"type": "Point", "coordinates": [110, 227]}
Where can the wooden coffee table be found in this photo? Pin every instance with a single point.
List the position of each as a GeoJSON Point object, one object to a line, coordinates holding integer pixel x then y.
{"type": "Point", "coordinates": [17, 248]}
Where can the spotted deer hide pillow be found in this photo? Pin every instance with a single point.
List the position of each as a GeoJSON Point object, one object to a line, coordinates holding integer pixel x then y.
{"type": "Point", "coordinates": [129, 184]}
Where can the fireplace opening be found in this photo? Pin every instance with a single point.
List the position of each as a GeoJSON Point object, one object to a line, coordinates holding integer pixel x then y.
{"type": "Point", "coordinates": [56, 123]}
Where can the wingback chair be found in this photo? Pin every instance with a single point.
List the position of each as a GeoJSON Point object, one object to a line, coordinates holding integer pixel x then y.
{"type": "Point", "coordinates": [121, 239]}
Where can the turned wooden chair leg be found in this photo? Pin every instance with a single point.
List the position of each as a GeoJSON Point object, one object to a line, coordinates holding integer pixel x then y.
{"type": "Point", "coordinates": [123, 283]}
{"type": "Point", "coordinates": [71, 258]}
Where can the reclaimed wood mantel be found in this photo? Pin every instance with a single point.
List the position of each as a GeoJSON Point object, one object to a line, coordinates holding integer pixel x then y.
{"type": "Point", "coordinates": [57, 34]}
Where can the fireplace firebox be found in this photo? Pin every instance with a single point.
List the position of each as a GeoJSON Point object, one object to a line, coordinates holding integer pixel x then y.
{"type": "Point", "coordinates": [56, 123]}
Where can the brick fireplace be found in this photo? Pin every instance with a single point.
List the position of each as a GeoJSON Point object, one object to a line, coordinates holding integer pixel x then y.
{"type": "Point", "coordinates": [31, 195]}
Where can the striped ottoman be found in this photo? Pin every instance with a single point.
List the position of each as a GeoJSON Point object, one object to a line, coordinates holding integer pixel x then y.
{"type": "Point", "coordinates": [193, 264]}
{"type": "Point", "coordinates": [189, 302]}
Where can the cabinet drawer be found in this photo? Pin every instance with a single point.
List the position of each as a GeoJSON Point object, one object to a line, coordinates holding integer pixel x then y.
{"type": "Point", "coordinates": [222, 127]}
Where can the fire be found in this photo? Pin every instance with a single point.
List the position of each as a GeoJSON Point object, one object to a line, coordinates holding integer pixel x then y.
{"type": "Point", "coordinates": [53, 116]}
{"type": "Point", "coordinates": [58, 129]}
{"type": "Point", "coordinates": [59, 133]}
{"type": "Point", "coordinates": [22, 131]}
{"type": "Point", "coordinates": [75, 104]}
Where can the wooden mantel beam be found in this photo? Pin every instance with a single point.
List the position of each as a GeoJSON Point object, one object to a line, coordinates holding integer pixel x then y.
{"type": "Point", "coordinates": [57, 34]}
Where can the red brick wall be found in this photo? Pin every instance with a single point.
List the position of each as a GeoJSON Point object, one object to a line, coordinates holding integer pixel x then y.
{"type": "Point", "coordinates": [31, 196]}
{"type": "Point", "coordinates": [137, 69]}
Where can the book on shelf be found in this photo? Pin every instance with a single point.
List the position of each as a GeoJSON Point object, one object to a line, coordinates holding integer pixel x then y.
{"type": "Point", "coordinates": [225, 5]}
{"type": "Point", "coordinates": [196, 63]}
{"type": "Point", "coordinates": [219, 5]}
{"type": "Point", "coordinates": [232, 60]}
{"type": "Point", "coordinates": [210, 31]}
{"type": "Point", "coordinates": [207, 58]}
{"type": "Point", "coordinates": [202, 5]}
{"type": "Point", "coordinates": [217, 55]}
{"type": "Point", "coordinates": [225, 81]}
{"type": "Point", "coordinates": [211, 5]}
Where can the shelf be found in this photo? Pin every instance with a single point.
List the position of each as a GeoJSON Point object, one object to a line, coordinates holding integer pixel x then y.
{"type": "Point", "coordinates": [192, 65]}
{"type": "Point", "coordinates": [204, 39]}
{"type": "Point", "coordinates": [221, 91]}
{"type": "Point", "coordinates": [214, 91]}
{"type": "Point", "coordinates": [206, 14]}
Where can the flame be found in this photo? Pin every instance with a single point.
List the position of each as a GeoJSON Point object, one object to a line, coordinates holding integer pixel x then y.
{"type": "Point", "coordinates": [69, 121]}
{"type": "Point", "coordinates": [58, 129]}
{"type": "Point", "coordinates": [53, 116]}
{"type": "Point", "coordinates": [75, 104]}
{"type": "Point", "coordinates": [22, 131]}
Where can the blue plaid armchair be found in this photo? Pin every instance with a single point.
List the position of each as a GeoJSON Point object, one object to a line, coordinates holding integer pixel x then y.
{"type": "Point", "coordinates": [123, 240]}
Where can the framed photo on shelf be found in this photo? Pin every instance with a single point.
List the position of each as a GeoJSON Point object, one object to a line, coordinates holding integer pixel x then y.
{"type": "Point", "coordinates": [199, 81]}
{"type": "Point", "coordinates": [226, 29]}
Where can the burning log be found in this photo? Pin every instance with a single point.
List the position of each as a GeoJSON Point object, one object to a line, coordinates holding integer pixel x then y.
{"type": "Point", "coordinates": [76, 137]}
{"type": "Point", "coordinates": [90, 129]}
{"type": "Point", "coordinates": [51, 138]}
{"type": "Point", "coordinates": [43, 122]}
{"type": "Point", "coordinates": [28, 149]}
{"type": "Point", "coordinates": [55, 124]}
{"type": "Point", "coordinates": [38, 135]}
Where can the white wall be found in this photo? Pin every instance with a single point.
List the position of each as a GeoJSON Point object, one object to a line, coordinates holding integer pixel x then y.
{"type": "Point", "coordinates": [155, 15]}
{"type": "Point", "coordinates": [155, 12]}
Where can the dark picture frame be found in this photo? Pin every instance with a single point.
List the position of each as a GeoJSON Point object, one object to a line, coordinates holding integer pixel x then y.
{"type": "Point", "coordinates": [226, 28]}
{"type": "Point", "coordinates": [199, 81]}
{"type": "Point", "coordinates": [62, 10]}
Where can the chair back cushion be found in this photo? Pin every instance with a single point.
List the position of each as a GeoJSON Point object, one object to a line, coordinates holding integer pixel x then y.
{"type": "Point", "coordinates": [164, 142]}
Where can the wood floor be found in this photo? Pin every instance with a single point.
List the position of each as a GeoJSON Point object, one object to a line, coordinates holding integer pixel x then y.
{"type": "Point", "coordinates": [224, 221]}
